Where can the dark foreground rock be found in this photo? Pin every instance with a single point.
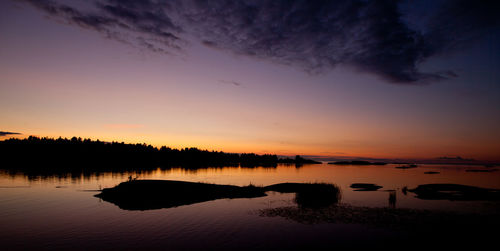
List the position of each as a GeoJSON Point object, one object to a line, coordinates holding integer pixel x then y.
{"type": "Point", "coordinates": [455, 192]}
{"type": "Point", "coordinates": [156, 194]}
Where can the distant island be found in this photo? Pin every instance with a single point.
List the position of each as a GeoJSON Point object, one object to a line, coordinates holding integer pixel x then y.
{"type": "Point", "coordinates": [408, 166]}
{"type": "Point", "coordinates": [298, 160]}
{"type": "Point", "coordinates": [35, 152]}
{"type": "Point", "coordinates": [455, 158]}
{"type": "Point", "coordinates": [356, 162]}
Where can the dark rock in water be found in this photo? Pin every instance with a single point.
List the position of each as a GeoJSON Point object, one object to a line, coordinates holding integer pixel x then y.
{"type": "Point", "coordinates": [481, 170]}
{"type": "Point", "coordinates": [407, 166]}
{"type": "Point", "coordinates": [365, 187]}
{"type": "Point", "coordinates": [455, 192]}
{"type": "Point", "coordinates": [156, 194]}
{"type": "Point", "coordinates": [431, 172]}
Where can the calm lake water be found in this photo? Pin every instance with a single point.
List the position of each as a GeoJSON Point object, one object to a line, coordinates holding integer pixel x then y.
{"type": "Point", "coordinates": [59, 211]}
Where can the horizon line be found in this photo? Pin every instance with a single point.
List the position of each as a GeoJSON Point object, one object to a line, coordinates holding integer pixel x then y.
{"type": "Point", "coordinates": [318, 157]}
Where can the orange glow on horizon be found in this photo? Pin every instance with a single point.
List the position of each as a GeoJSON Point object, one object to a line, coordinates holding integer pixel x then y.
{"type": "Point", "coordinates": [232, 146]}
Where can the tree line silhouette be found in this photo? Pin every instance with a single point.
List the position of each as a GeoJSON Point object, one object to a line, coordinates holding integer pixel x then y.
{"type": "Point", "coordinates": [36, 152]}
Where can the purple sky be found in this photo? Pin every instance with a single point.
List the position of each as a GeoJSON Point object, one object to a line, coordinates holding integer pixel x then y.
{"type": "Point", "coordinates": [343, 78]}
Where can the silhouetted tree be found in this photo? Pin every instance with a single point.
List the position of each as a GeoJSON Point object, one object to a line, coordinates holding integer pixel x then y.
{"type": "Point", "coordinates": [77, 153]}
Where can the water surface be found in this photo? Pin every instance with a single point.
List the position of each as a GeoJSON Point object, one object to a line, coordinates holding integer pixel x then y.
{"type": "Point", "coordinates": [59, 210]}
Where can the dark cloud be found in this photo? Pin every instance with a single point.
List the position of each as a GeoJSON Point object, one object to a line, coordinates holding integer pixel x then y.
{"type": "Point", "coordinates": [457, 23]}
{"type": "Point", "coordinates": [142, 23]}
{"type": "Point", "coordinates": [2, 133]}
{"type": "Point", "coordinates": [316, 36]}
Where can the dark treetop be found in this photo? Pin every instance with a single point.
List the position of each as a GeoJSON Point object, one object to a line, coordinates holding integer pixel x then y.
{"type": "Point", "coordinates": [34, 152]}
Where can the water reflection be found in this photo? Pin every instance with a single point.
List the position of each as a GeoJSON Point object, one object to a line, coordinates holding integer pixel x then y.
{"type": "Point", "coordinates": [392, 199]}
{"type": "Point", "coordinates": [45, 173]}
{"type": "Point", "coordinates": [344, 176]}
{"type": "Point", "coordinates": [51, 210]}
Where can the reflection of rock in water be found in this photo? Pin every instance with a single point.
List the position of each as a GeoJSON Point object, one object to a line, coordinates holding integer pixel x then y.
{"type": "Point", "coordinates": [392, 199]}
{"type": "Point", "coordinates": [455, 192]}
{"type": "Point", "coordinates": [155, 194]}
{"type": "Point", "coordinates": [310, 195]}
{"type": "Point", "coordinates": [317, 196]}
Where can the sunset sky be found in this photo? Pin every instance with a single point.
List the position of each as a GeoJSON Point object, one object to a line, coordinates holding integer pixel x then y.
{"type": "Point", "coordinates": [380, 79]}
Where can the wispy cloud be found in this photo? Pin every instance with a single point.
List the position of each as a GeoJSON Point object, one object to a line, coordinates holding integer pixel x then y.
{"type": "Point", "coordinates": [2, 133]}
{"type": "Point", "coordinates": [315, 36]}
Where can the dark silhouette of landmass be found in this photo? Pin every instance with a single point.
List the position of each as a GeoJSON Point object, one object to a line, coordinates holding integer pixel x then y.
{"type": "Point", "coordinates": [431, 172]}
{"type": "Point", "coordinates": [455, 192]}
{"type": "Point", "coordinates": [298, 160]}
{"type": "Point", "coordinates": [407, 166]}
{"type": "Point", "coordinates": [156, 194]}
{"type": "Point", "coordinates": [357, 162]}
{"type": "Point", "coordinates": [481, 170]}
{"type": "Point", "coordinates": [365, 187]}
{"type": "Point", "coordinates": [455, 158]}
{"type": "Point", "coordinates": [78, 153]}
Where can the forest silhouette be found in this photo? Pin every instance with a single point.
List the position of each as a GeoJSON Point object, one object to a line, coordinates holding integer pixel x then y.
{"type": "Point", "coordinates": [77, 153]}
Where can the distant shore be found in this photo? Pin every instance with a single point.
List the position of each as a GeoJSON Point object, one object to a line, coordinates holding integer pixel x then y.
{"type": "Point", "coordinates": [34, 152]}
